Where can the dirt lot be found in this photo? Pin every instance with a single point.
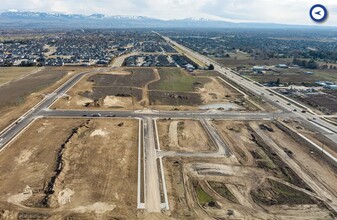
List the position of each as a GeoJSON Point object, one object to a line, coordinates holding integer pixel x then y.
{"type": "Point", "coordinates": [326, 103]}
{"type": "Point", "coordinates": [297, 76]}
{"type": "Point", "coordinates": [121, 89]}
{"type": "Point", "coordinates": [260, 185]}
{"type": "Point", "coordinates": [20, 96]}
{"type": "Point", "coordinates": [183, 136]}
{"type": "Point", "coordinates": [139, 88]}
{"type": "Point", "coordinates": [248, 62]}
{"type": "Point", "coordinates": [87, 171]}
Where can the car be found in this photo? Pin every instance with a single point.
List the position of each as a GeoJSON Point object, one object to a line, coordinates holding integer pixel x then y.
{"type": "Point", "coordinates": [304, 111]}
{"type": "Point", "coordinates": [271, 94]}
{"type": "Point", "coordinates": [111, 116]}
{"type": "Point", "coordinates": [277, 101]}
{"type": "Point", "coordinates": [295, 110]}
{"type": "Point", "coordinates": [84, 115]}
{"type": "Point", "coordinates": [288, 103]}
{"type": "Point", "coordinates": [96, 115]}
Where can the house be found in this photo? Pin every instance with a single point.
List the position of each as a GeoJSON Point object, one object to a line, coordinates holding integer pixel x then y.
{"type": "Point", "coordinates": [189, 67]}
{"type": "Point", "coordinates": [283, 66]}
{"type": "Point", "coordinates": [331, 87]}
{"type": "Point", "coordinates": [258, 69]}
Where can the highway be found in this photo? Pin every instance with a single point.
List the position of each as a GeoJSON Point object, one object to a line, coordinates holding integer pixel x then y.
{"type": "Point", "coordinates": [297, 110]}
{"type": "Point", "coordinates": [152, 190]}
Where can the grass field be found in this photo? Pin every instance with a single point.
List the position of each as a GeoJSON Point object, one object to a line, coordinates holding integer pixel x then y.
{"type": "Point", "coordinates": [203, 197]}
{"type": "Point", "coordinates": [175, 79]}
{"type": "Point", "coordinates": [11, 73]}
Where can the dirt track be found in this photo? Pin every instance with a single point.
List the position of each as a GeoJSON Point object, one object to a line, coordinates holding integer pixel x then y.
{"type": "Point", "coordinates": [258, 185]}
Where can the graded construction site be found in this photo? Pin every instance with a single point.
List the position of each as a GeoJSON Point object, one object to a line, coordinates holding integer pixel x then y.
{"type": "Point", "coordinates": [71, 169]}
{"type": "Point", "coordinates": [271, 174]}
{"type": "Point", "coordinates": [149, 88]}
{"type": "Point", "coordinates": [181, 163]}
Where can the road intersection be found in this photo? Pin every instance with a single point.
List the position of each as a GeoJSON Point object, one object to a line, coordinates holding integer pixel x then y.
{"type": "Point", "coordinates": [153, 167]}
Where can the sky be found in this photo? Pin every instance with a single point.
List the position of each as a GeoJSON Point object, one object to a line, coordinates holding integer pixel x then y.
{"type": "Point", "coordinates": [266, 11]}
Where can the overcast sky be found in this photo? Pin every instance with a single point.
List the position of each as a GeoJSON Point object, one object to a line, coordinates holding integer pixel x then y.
{"type": "Point", "coordinates": [276, 11]}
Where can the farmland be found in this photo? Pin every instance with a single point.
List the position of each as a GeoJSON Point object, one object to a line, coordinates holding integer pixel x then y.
{"type": "Point", "coordinates": [8, 74]}
{"type": "Point", "coordinates": [19, 96]}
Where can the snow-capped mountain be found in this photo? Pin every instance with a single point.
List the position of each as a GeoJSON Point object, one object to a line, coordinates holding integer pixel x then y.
{"type": "Point", "coordinates": [28, 19]}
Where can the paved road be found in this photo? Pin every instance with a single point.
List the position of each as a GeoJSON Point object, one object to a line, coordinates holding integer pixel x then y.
{"type": "Point", "coordinates": [10, 132]}
{"type": "Point", "coordinates": [303, 113]}
{"type": "Point", "coordinates": [152, 190]}
{"type": "Point", "coordinates": [167, 114]}
{"type": "Point", "coordinates": [215, 136]}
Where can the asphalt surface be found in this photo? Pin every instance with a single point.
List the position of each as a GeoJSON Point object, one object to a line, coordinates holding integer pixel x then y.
{"type": "Point", "coordinates": [298, 110]}
{"type": "Point", "coordinates": [215, 136]}
{"type": "Point", "coordinates": [288, 109]}
{"type": "Point", "coordinates": [14, 129]}
{"type": "Point", "coordinates": [165, 114]}
{"type": "Point", "coordinates": [152, 190]}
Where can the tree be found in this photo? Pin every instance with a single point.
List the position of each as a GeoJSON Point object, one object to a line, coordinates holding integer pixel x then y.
{"type": "Point", "coordinates": [211, 67]}
{"type": "Point", "coordinates": [278, 81]}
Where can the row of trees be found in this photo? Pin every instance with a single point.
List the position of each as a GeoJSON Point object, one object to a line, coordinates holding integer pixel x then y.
{"type": "Point", "coordinates": [311, 64]}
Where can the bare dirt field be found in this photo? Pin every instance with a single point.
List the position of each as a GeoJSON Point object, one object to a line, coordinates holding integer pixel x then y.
{"type": "Point", "coordinates": [15, 92]}
{"type": "Point", "coordinates": [8, 74]}
{"type": "Point", "coordinates": [20, 96]}
{"type": "Point", "coordinates": [148, 88]}
{"type": "Point", "coordinates": [260, 185]}
{"type": "Point", "coordinates": [326, 103]}
{"type": "Point", "coordinates": [248, 62]}
{"type": "Point", "coordinates": [120, 89]}
{"type": "Point", "coordinates": [184, 136]}
{"type": "Point", "coordinates": [71, 169]}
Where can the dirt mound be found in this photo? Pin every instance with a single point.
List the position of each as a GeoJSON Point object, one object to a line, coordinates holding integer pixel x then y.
{"type": "Point", "coordinates": [96, 103]}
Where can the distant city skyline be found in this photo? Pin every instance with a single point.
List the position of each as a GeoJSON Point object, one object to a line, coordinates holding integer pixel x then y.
{"type": "Point", "coordinates": [264, 11]}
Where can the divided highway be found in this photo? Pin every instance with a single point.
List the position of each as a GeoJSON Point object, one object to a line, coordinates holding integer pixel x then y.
{"type": "Point", "coordinates": [296, 109]}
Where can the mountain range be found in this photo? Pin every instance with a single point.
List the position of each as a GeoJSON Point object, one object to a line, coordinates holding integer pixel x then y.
{"type": "Point", "coordinates": [27, 19]}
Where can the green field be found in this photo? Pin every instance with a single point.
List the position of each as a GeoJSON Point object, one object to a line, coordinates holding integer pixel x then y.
{"type": "Point", "coordinates": [11, 73]}
{"type": "Point", "coordinates": [175, 79]}
{"type": "Point", "coordinates": [203, 197]}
